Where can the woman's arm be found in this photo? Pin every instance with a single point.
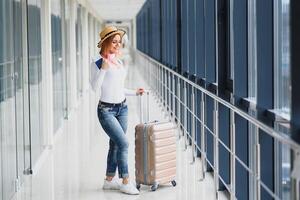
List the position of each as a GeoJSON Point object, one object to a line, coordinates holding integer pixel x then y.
{"type": "Point", "coordinates": [97, 74]}
{"type": "Point", "coordinates": [132, 92]}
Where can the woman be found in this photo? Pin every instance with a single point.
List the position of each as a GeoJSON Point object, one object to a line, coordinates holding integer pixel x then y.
{"type": "Point", "coordinates": [108, 75]}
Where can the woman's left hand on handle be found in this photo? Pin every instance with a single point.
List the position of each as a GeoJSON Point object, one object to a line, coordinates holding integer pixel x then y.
{"type": "Point", "coordinates": [140, 91]}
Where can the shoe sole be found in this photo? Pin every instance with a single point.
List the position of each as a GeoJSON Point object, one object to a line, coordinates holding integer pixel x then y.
{"type": "Point", "coordinates": [111, 188]}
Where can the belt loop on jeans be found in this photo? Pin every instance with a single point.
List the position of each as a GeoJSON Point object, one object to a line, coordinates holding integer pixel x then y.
{"type": "Point", "coordinates": [112, 104]}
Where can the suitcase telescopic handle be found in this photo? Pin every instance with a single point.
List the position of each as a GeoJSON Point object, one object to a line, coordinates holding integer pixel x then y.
{"type": "Point", "coordinates": [147, 93]}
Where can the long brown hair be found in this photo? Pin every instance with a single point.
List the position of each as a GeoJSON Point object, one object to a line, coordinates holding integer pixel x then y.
{"type": "Point", "coordinates": [106, 44]}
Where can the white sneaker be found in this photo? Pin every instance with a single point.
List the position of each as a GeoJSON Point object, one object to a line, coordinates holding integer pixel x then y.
{"type": "Point", "coordinates": [129, 188]}
{"type": "Point", "coordinates": [111, 185]}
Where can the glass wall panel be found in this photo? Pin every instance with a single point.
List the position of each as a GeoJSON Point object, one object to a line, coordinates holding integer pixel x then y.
{"type": "Point", "coordinates": [252, 90]}
{"type": "Point", "coordinates": [210, 40]}
{"type": "Point", "coordinates": [79, 50]}
{"type": "Point", "coordinates": [96, 36]}
{"type": "Point", "coordinates": [19, 88]}
{"type": "Point", "coordinates": [282, 92]}
{"type": "Point", "coordinates": [90, 36]}
{"type": "Point", "coordinates": [35, 77]}
{"type": "Point", "coordinates": [7, 102]}
{"type": "Point", "coordinates": [57, 66]}
{"type": "Point", "coordinates": [285, 183]}
{"type": "Point", "coordinates": [66, 55]}
{"type": "Point", "coordinates": [282, 58]}
{"type": "Point", "coordinates": [252, 65]}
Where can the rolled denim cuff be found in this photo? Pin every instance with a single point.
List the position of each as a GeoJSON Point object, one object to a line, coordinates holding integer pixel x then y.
{"type": "Point", "coordinates": [123, 175]}
{"type": "Point", "coordinates": [110, 174]}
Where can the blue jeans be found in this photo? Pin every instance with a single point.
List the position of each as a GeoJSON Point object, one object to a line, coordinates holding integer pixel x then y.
{"type": "Point", "coordinates": [114, 122]}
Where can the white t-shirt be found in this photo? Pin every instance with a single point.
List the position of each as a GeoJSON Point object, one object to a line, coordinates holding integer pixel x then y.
{"type": "Point", "coordinates": [110, 82]}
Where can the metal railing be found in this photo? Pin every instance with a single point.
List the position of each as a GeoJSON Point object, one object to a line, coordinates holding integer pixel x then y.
{"type": "Point", "coordinates": [177, 95]}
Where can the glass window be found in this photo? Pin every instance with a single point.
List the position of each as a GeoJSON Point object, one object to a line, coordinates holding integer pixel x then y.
{"type": "Point", "coordinates": [96, 33]}
{"type": "Point", "coordinates": [252, 64]}
{"type": "Point", "coordinates": [252, 91]}
{"type": "Point", "coordinates": [90, 39]}
{"type": "Point", "coordinates": [79, 50]}
{"type": "Point", "coordinates": [282, 92]}
{"type": "Point", "coordinates": [282, 59]}
{"type": "Point", "coordinates": [7, 102]}
{"type": "Point", "coordinates": [20, 102]}
{"type": "Point", "coordinates": [65, 17]}
{"type": "Point", "coordinates": [35, 77]}
{"type": "Point", "coordinates": [57, 66]}
{"type": "Point", "coordinates": [66, 20]}
{"type": "Point", "coordinates": [11, 97]}
{"type": "Point", "coordinates": [92, 44]}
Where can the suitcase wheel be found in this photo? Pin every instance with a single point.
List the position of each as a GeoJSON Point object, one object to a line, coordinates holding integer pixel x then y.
{"type": "Point", "coordinates": [138, 186]}
{"type": "Point", "coordinates": [154, 187]}
{"type": "Point", "coordinates": [173, 183]}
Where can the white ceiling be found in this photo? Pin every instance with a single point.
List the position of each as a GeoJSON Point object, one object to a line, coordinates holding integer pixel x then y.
{"type": "Point", "coordinates": [117, 10]}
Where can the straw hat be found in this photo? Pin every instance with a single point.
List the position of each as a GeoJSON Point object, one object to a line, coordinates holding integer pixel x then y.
{"type": "Point", "coordinates": [109, 31]}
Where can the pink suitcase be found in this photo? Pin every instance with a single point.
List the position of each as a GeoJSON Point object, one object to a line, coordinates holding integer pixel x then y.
{"type": "Point", "coordinates": [155, 154]}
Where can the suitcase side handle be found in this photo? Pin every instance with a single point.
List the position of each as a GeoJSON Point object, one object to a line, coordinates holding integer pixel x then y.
{"type": "Point", "coordinates": [147, 93]}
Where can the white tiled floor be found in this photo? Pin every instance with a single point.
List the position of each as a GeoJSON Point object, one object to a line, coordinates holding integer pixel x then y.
{"type": "Point", "coordinates": [75, 167]}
